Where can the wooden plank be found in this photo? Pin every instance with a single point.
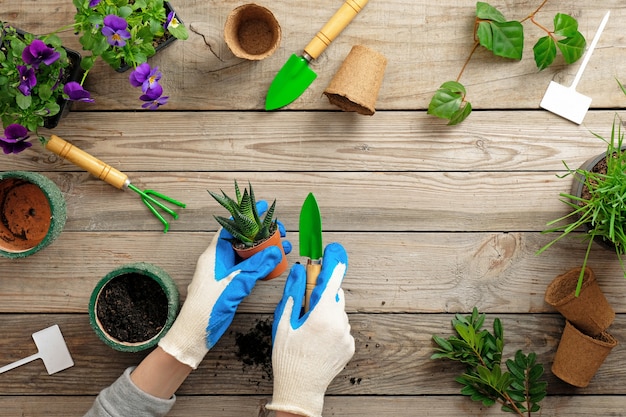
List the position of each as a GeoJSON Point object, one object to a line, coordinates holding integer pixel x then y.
{"type": "Point", "coordinates": [392, 357]}
{"type": "Point", "coordinates": [356, 406]}
{"type": "Point", "coordinates": [324, 141]}
{"type": "Point", "coordinates": [385, 202]}
{"type": "Point", "coordinates": [445, 272]}
{"type": "Point", "coordinates": [426, 45]}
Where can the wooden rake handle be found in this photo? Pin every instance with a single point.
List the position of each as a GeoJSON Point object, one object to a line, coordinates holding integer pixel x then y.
{"type": "Point", "coordinates": [334, 26]}
{"type": "Point", "coordinates": [87, 162]}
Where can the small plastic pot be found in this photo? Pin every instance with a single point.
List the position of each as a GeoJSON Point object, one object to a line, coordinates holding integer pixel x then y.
{"type": "Point", "coordinates": [273, 240]}
{"type": "Point", "coordinates": [32, 213]}
{"type": "Point", "coordinates": [133, 306]}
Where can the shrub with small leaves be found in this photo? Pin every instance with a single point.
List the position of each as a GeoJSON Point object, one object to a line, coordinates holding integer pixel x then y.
{"type": "Point", "coordinates": [518, 389]}
{"type": "Point", "coordinates": [505, 38]}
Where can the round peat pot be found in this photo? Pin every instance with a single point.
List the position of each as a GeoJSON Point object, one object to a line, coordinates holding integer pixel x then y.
{"type": "Point", "coordinates": [32, 213]}
{"type": "Point", "coordinates": [133, 306]}
{"type": "Point", "coordinates": [252, 32]}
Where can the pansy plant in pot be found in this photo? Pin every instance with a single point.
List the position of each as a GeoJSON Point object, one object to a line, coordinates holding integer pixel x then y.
{"type": "Point", "coordinates": [123, 33]}
{"type": "Point", "coordinates": [250, 232]}
{"type": "Point", "coordinates": [37, 77]}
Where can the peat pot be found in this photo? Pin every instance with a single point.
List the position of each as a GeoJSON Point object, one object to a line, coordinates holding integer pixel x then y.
{"type": "Point", "coordinates": [579, 356]}
{"type": "Point", "coordinates": [252, 32]}
{"type": "Point", "coordinates": [590, 311]}
{"type": "Point", "coordinates": [32, 213]}
{"type": "Point", "coordinates": [133, 306]}
{"type": "Point", "coordinates": [273, 240]}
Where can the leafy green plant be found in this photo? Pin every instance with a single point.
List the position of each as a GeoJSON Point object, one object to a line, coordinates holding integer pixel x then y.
{"type": "Point", "coordinates": [124, 33]}
{"type": "Point", "coordinates": [603, 208]}
{"type": "Point", "coordinates": [518, 389]}
{"type": "Point", "coordinates": [505, 38]}
{"type": "Point", "coordinates": [245, 224]}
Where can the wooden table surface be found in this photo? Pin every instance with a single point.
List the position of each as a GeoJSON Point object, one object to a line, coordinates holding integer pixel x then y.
{"type": "Point", "coordinates": [435, 219]}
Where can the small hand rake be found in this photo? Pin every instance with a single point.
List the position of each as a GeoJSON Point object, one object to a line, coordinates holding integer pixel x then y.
{"type": "Point", "coordinates": [112, 176]}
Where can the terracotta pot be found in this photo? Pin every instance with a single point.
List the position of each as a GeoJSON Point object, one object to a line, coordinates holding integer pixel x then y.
{"type": "Point", "coordinates": [273, 240]}
{"type": "Point", "coordinates": [32, 213]}
{"type": "Point", "coordinates": [115, 322]}
{"type": "Point", "coordinates": [579, 356]}
{"type": "Point", "coordinates": [252, 32]}
{"type": "Point", "coordinates": [590, 311]}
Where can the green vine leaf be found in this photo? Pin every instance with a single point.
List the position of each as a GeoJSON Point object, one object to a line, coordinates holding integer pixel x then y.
{"type": "Point", "coordinates": [488, 12]}
{"type": "Point", "coordinates": [545, 52]}
{"type": "Point", "coordinates": [449, 103]}
{"type": "Point", "coordinates": [572, 47]}
{"type": "Point", "coordinates": [505, 39]}
{"type": "Point", "coordinates": [565, 25]}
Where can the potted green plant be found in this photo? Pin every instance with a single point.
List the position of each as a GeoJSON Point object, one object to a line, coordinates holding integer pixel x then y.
{"type": "Point", "coordinates": [37, 78]}
{"type": "Point", "coordinates": [133, 306]}
{"type": "Point", "coordinates": [596, 200]}
{"type": "Point", "coordinates": [518, 389]}
{"type": "Point", "coordinates": [123, 33]}
{"type": "Point", "coordinates": [32, 213]}
{"type": "Point", "coordinates": [250, 233]}
{"type": "Point", "coordinates": [505, 38]}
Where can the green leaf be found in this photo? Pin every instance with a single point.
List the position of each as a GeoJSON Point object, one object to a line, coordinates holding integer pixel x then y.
{"type": "Point", "coordinates": [488, 12]}
{"type": "Point", "coordinates": [447, 100]}
{"type": "Point", "coordinates": [565, 25]}
{"type": "Point", "coordinates": [572, 47]}
{"type": "Point", "coordinates": [464, 111]}
{"type": "Point", "coordinates": [545, 52]}
{"type": "Point", "coordinates": [508, 39]}
{"type": "Point", "coordinates": [23, 101]}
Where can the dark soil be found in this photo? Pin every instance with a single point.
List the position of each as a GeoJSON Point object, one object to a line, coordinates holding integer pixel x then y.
{"type": "Point", "coordinates": [255, 347]}
{"type": "Point", "coordinates": [132, 308]}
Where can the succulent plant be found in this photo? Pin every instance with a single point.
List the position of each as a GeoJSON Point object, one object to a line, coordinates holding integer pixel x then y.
{"type": "Point", "coordinates": [245, 224]}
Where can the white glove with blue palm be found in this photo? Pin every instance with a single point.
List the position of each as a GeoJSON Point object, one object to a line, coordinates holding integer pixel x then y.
{"type": "Point", "coordinates": [216, 290]}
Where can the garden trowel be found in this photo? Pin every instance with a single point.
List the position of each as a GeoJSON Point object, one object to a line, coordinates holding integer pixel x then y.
{"type": "Point", "coordinates": [52, 351]}
{"type": "Point", "coordinates": [566, 101]}
{"type": "Point", "coordinates": [296, 76]}
{"type": "Point", "coordinates": [311, 243]}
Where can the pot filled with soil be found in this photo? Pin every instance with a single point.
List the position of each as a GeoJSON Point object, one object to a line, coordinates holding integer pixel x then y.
{"type": "Point", "coordinates": [579, 356]}
{"type": "Point", "coordinates": [252, 32]}
{"type": "Point", "coordinates": [590, 311]}
{"type": "Point", "coordinates": [32, 213]}
{"type": "Point", "coordinates": [133, 306]}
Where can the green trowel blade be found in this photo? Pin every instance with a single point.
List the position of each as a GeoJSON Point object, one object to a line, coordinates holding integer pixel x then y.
{"type": "Point", "coordinates": [290, 82]}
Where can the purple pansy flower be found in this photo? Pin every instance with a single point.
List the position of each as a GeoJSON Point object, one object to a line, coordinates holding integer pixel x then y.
{"type": "Point", "coordinates": [115, 30]}
{"type": "Point", "coordinates": [93, 3]}
{"type": "Point", "coordinates": [146, 77]}
{"type": "Point", "coordinates": [171, 19]}
{"type": "Point", "coordinates": [27, 79]}
{"type": "Point", "coordinates": [76, 92]}
{"type": "Point", "coordinates": [38, 52]}
{"type": "Point", "coordinates": [153, 98]}
{"type": "Point", "coordinates": [14, 139]}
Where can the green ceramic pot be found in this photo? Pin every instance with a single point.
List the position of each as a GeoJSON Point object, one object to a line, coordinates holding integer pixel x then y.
{"type": "Point", "coordinates": [32, 213]}
{"type": "Point", "coordinates": [133, 306]}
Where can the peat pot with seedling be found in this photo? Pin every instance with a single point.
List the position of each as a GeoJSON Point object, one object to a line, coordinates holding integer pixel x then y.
{"type": "Point", "coordinates": [133, 306]}
{"type": "Point", "coordinates": [250, 233]}
{"type": "Point", "coordinates": [597, 200]}
{"type": "Point", "coordinates": [32, 213]}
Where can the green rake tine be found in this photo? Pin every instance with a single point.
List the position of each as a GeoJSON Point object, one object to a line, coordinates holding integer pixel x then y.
{"type": "Point", "coordinates": [148, 200]}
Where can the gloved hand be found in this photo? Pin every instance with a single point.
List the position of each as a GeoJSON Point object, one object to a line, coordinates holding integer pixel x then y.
{"type": "Point", "coordinates": [216, 290]}
{"type": "Point", "coordinates": [309, 351]}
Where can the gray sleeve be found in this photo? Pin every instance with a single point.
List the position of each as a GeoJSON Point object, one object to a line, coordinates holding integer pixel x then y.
{"type": "Point", "coordinates": [124, 399]}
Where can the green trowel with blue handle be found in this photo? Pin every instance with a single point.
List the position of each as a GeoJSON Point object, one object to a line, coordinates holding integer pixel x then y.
{"type": "Point", "coordinates": [311, 243]}
{"type": "Point", "coordinates": [296, 76]}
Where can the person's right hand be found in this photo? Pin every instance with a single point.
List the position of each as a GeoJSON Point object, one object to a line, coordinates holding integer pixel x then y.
{"type": "Point", "coordinates": [309, 351]}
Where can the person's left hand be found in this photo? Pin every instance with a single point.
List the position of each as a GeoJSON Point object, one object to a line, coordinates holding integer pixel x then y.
{"type": "Point", "coordinates": [218, 286]}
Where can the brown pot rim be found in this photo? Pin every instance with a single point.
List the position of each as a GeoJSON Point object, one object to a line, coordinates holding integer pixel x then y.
{"type": "Point", "coordinates": [558, 292]}
{"type": "Point", "coordinates": [273, 240]}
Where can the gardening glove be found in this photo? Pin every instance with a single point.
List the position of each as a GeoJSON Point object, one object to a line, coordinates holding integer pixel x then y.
{"type": "Point", "coordinates": [309, 351]}
{"type": "Point", "coordinates": [218, 286]}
